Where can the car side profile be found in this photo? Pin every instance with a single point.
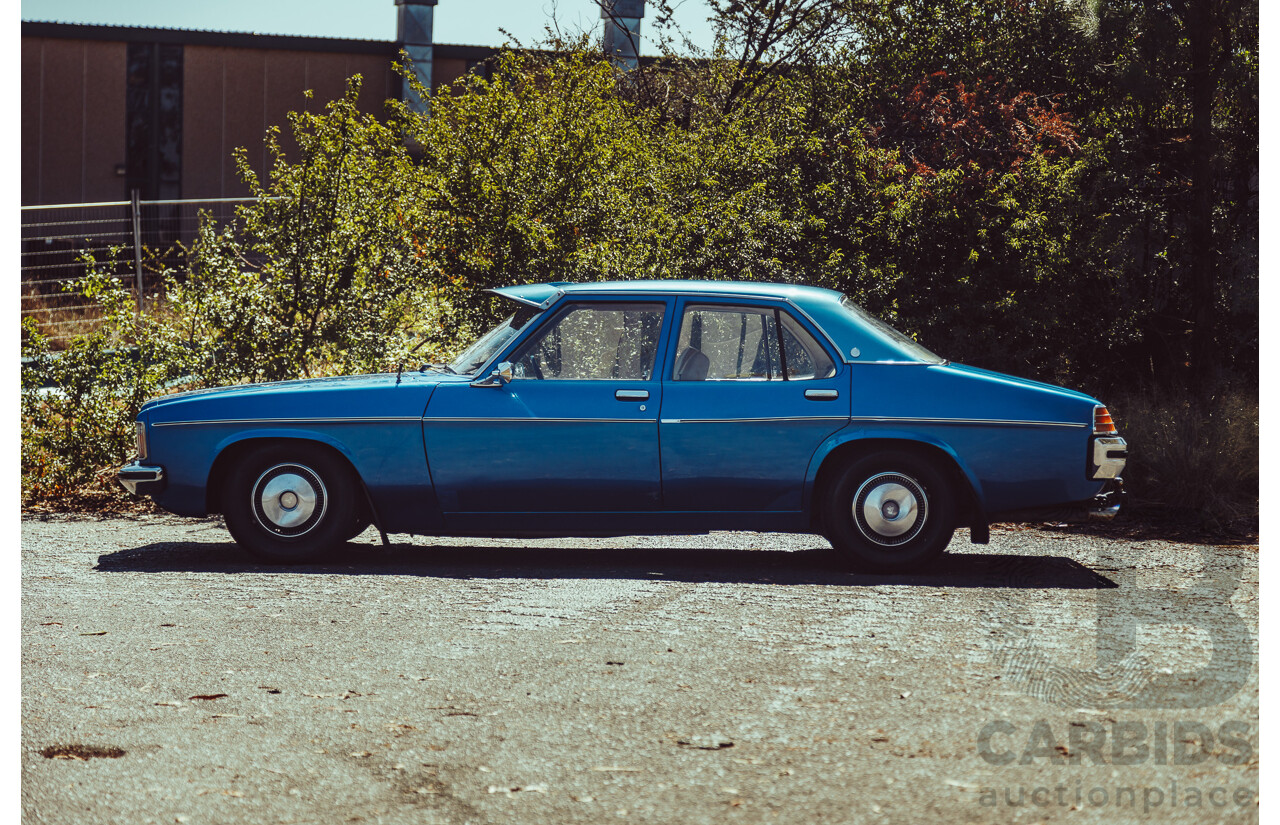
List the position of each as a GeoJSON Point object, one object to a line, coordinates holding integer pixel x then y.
{"type": "Point", "coordinates": [641, 407]}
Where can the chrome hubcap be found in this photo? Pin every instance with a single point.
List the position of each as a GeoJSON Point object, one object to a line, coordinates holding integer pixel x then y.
{"type": "Point", "coordinates": [289, 500]}
{"type": "Point", "coordinates": [890, 509]}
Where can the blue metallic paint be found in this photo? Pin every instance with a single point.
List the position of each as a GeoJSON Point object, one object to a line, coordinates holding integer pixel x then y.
{"type": "Point", "coordinates": [563, 457]}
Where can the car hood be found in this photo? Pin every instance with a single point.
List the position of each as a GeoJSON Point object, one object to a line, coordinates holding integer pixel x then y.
{"type": "Point", "coordinates": [352, 396]}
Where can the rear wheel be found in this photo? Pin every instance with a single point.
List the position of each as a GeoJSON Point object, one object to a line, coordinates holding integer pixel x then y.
{"type": "Point", "coordinates": [357, 527]}
{"type": "Point", "coordinates": [291, 502]}
{"type": "Point", "coordinates": [890, 510]}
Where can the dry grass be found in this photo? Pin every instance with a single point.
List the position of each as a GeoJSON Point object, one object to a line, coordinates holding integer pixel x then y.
{"type": "Point", "coordinates": [1194, 460]}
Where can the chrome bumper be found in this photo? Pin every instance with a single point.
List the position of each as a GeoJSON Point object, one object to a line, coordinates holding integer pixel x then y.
{"type": "Point", "coordinates": [1109, 456]}
{"type": "Point", "coordinates": [141, 479]}
{"type": "Point", "coordinates": [1105, 505]}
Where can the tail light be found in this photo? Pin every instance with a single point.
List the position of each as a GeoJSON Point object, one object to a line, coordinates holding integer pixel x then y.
{"type": "Point", "coordinates": [1102, 422]}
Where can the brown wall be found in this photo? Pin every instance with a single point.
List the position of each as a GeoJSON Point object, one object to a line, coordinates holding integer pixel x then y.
{"type": "Point", "coordinates": [234, 87]}
{"type": "Point", "coordinates": [232, 95]}
{"type": "Point", "coordinates": [73, 116]}
{"type": "Point", "coordinates": [445, 70]}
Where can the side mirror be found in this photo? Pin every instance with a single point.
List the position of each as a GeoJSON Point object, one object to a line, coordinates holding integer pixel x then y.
{"type": "Point", "coordinates": [500, 376]}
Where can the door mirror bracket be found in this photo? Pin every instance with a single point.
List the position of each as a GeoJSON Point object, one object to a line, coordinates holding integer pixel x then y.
{"type": "Point", "coordinates": [499, 377]}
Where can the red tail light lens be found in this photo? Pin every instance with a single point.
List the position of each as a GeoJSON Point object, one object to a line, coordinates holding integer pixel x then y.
{"type": "Point", "coordinates": [1102, 422]}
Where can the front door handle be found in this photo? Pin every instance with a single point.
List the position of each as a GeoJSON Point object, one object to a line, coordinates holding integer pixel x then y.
{"type": "Point", "coordinates": [822, 395]}
{"type": "Point", "coordinates": [632, 395]}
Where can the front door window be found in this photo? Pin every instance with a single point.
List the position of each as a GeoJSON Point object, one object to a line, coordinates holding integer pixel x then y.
{"type": "Point", "coordinates": [594, 342]}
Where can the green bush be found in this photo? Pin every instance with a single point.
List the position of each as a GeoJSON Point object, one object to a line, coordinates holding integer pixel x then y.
{"type": "Point", "coordinates": [78, 404]}
{"type": "Point", "coordinates": [1197, 458]}
{"type": "Point", "coordinates": [971, 209]}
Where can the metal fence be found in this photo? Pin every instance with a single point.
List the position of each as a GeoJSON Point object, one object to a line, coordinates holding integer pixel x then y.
{"type": "Point", "coordinates": [134, 240]}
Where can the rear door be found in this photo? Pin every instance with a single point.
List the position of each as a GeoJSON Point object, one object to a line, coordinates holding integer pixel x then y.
{"type": "Point", "coordinates": [750, 392]}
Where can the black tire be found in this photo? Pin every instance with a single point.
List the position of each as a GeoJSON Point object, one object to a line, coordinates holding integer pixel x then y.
{"type": "Point", "coordinates": [890, 511]}
{"type": "Point", "coordinates": [291, 502]}
{"type": "Point", "coordinates": [361, 523]}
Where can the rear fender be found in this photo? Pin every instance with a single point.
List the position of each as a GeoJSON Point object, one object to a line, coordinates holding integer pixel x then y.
{"type": "Point", "coordinates": [853, 435]}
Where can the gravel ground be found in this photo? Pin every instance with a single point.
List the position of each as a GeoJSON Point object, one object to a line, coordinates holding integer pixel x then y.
{"type": "Point", "coordinates": [735, 677]}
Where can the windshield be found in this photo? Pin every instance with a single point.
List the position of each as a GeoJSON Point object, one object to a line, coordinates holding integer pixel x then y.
{"type": "Point", "coordinates": [495, 339]}
{"type": "Point", "coordinates": [912, 348]}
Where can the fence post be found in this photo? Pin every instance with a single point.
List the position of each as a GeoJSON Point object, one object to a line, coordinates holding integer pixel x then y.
{"type": "Point", "coordinates": [135, 197]}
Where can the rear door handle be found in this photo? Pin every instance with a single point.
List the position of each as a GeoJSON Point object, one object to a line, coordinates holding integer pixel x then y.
{"type": "Point", "coordinates": [822, 395]}
{"type": "Point", "coordinates": [632, 395]}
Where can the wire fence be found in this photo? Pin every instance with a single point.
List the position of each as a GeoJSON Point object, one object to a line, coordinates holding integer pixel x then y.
{"type": "Point", "coordinates": [134, 240]}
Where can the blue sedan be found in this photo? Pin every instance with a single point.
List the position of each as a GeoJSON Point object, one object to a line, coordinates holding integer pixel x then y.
{"type": "Point", "coordinates": [640, 407]}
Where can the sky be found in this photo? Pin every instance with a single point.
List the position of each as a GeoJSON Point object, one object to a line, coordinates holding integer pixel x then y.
{"type": "Point", "coordinates": [467, 22]}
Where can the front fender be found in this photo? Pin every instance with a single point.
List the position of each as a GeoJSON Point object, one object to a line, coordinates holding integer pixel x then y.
{"type": "Point", "coordinates": [295, 433]}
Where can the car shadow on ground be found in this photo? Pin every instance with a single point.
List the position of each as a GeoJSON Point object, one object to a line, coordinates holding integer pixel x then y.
{"type": "Point", "coordinates": [680, 564]}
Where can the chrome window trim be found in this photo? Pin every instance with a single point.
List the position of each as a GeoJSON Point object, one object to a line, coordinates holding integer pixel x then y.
{"type": "Point", "coordinates": [979, 421]}
{"type": "Point", "coordinates": [522, 337]}
{"type": "Point", "coordinates": [728, 296]}
{"type": "Point", "coordinates": [332, 420]}
{"type": "Point", "coordinates": [731, 296]}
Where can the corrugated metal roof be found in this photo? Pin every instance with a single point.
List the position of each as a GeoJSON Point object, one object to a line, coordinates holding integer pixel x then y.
{"type": "Point", "coordinates": [133, 28]}
{"type": "Point", "coordinates": [252, 40]}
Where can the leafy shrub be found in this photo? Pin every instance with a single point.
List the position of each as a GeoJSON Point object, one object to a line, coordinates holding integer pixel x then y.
{"type": "Point", "coordinates": [1196, 457]}
{"type": "Point", "coordinates": [78, 405]}
{"type": "Point", "coordinates": [969, 206]}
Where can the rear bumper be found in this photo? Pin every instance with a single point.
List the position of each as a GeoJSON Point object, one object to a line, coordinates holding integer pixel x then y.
{"type": "Point", "coordinates": [141, 479]}
{"type": "Point", "coordinates": [1102, 507]}
{"type": "Point", "coordinates": [1107, 457]}
{"type": "Point", "coordinates": [1105, 505]}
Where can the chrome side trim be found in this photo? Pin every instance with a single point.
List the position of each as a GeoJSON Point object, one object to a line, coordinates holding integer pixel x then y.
{"type": "Point", "coordinates": [974, 421]}
{"type": "Point", "coordinates": [351, 420]}
{"type": "Point", "coordinates": [475, 420]}
{"type": "Point", "coordinates": [754, 420]}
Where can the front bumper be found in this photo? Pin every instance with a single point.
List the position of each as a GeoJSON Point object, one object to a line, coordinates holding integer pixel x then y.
{"type": "Point", "coordinates": [141, 479]}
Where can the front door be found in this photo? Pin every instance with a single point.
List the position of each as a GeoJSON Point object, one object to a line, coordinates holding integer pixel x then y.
{"type": "Point", "coordinates": [574, 431]}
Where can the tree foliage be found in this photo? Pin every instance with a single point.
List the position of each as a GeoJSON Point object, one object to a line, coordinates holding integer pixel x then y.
{"type": "Point", "coordinates": [1064, 189]}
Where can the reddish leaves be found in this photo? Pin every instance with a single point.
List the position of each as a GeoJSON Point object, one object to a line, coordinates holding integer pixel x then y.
{"type": "Point", "coordinates": [986, 127]}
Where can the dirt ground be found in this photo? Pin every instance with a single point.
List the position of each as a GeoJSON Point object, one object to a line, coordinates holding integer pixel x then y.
{"type": "Point", "coordinates": [1054, 675]}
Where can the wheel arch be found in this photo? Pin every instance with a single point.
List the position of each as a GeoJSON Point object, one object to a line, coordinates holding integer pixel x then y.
{"type": "Point", "coordinates": [841, 453]}
{"type": "Point", "coordinates": [230, 451]}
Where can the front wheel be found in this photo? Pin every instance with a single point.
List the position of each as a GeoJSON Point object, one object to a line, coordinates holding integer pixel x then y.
{"type": "Point", "coordinates": [290, 503]}
{"type": "Point", "coordinates": [890, 510]}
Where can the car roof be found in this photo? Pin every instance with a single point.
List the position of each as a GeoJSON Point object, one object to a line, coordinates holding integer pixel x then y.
{"type": "Point", "coordinates": [542, 294]}
{"type": "Point", "coordinates": [846, 331]}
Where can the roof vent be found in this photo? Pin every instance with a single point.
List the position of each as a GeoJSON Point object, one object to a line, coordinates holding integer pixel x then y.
{"type": "Point", "coordinates": [413, 34]}
{"type": "Point", "coordinates": [622, 31]}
